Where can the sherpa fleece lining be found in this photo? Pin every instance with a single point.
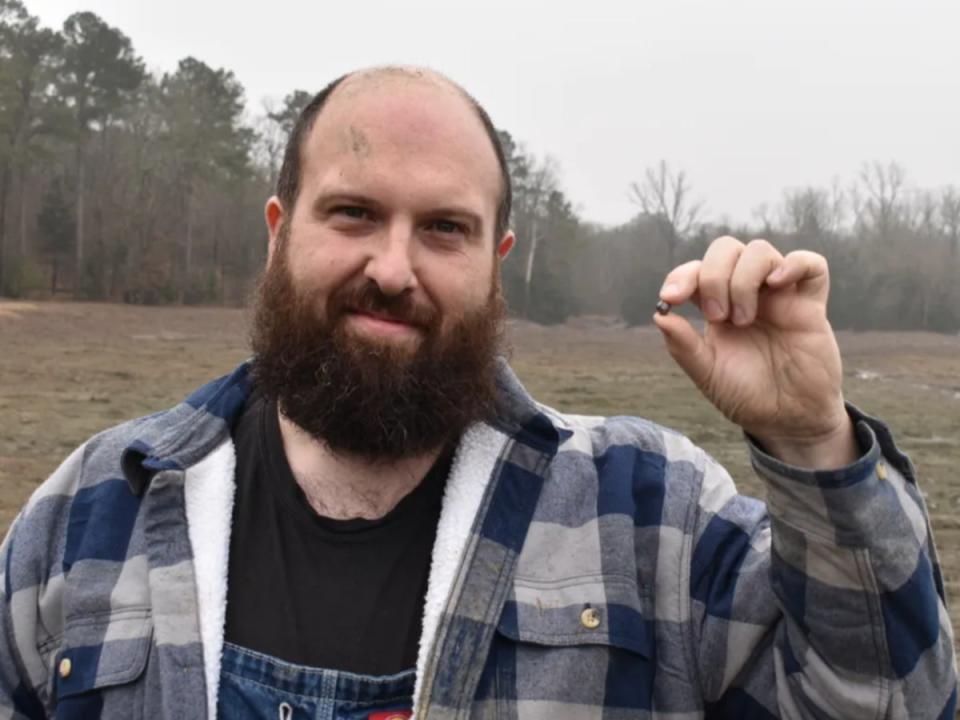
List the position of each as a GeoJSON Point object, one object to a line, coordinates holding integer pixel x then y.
{"type": "Point", "coordinates": [209, 494]}
{"type": "Point", "coordinates": [209, 491]}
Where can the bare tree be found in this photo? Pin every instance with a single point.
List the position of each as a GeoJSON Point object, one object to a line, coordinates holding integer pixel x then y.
{"type": "Point", "coordinates": [269, 142]}
{"type": "Point", "coordinates": [950, 218]}
{"type": "Point", "coordinates": [665, 195]}
{"type": "Point", "coordinates": [813, 212]}
{"type": "Point", "coordinates": [274, 127]}
{"type": "Point", "coordinates": [532, 193]}
{"type": "Point", "coordinates": [878, 198]}
{"type": "Point", "coordinates": [763, 215]}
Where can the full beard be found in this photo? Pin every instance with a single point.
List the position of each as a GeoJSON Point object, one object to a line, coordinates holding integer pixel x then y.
{"type": "Point", "coordinates": [379, 401]}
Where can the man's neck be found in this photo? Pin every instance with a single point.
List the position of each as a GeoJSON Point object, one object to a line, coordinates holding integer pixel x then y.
{"type": "Point", "coordinates": [343, 486]}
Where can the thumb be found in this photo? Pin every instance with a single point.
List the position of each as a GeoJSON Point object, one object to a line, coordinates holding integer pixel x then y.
{"type": "Point", "coordinates": [686, 346]}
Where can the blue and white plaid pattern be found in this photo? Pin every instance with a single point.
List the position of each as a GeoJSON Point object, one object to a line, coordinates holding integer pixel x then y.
{"type": "Point", "coordinates": [612, 572]}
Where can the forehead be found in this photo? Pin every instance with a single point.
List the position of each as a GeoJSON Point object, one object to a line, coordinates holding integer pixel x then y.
{"type": "Point", "coordinates": [373, 129]}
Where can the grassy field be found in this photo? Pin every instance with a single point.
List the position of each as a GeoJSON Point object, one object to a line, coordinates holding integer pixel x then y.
{"type": "Point", "coordinates": [70, 370]}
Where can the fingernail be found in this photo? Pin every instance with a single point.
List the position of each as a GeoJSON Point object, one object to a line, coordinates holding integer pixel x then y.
{"type": "Point", "coordinates": [714, 310]}
{"type": "Point", "coordinates": [776, 274]}
{"type": "Point", "coordinates": [669, 289]}
{"type": "Point", "coordinates": [739, 316]}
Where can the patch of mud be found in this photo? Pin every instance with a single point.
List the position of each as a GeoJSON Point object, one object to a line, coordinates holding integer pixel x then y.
{"type": "Point", "coordinates": [15, 309]}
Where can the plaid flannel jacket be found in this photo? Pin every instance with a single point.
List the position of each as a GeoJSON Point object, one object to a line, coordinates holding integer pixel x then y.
{"type": "Point", "coordinates": [609, 570]}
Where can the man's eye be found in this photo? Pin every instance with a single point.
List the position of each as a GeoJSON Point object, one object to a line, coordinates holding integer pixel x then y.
{"type": "Point", "coordinates": [447, 227]}
{"type": "Point", "coordinates": [353, 212]}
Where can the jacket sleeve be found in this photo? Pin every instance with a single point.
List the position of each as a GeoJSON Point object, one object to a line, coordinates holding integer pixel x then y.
{"type": "Point", "coordinates": [17, 696]}
{"type": "Point", "coordinates": [31, 587]}
{"type": "Point", "coordinates": [826, 602]}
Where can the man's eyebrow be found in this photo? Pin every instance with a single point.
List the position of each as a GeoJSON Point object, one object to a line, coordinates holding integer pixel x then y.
{"type": "Point", "coordinates": [325, 199]}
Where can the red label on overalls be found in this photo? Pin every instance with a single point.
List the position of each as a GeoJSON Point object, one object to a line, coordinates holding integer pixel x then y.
{"type": "Point", "coordinates": [391, 715]}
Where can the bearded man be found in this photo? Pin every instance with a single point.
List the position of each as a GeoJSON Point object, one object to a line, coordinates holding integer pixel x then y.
{"type": "Point", "coordinates": [372, 518]}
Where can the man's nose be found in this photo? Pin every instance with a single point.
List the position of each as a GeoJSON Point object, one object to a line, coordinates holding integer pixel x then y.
{"type": "Point", "coordinates": [391, 264]}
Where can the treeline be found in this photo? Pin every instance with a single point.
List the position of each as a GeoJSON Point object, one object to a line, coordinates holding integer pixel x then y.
{"type": "Point", "coordinates": [894, 250]}
{"type": "Point", "coordinates": [118, 184]}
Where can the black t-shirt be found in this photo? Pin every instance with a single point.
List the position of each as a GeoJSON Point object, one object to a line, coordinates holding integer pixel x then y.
{"type": "Point", "coordinates": [337, 594]}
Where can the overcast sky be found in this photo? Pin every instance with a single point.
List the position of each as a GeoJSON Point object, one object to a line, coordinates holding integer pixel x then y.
{"type": "Point", "coordinates": [748, 97]}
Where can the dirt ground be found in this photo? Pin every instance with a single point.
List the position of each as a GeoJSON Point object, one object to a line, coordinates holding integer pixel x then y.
{"type": "Point", "coordinates": [70, 370]}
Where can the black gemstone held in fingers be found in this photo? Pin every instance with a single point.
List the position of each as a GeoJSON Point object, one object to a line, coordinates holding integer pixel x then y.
{"type": "Point", "coordinates": [663, 307]}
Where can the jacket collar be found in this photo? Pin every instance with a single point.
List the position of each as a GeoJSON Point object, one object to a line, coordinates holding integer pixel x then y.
{"type": "Point", "coordinates": [185, 434]}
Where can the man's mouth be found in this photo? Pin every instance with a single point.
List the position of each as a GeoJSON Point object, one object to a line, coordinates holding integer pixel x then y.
{"type": "Point", "coordinates": [381, 323]}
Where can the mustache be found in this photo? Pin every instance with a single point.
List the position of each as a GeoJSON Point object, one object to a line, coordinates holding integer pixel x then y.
{"type": "Point", "coordinates": [368, 298]}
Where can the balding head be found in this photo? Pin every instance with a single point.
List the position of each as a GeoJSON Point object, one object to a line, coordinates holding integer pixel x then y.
{"type": "Point", "coordinates": [384, 75]}
{"type": "Point", "coordinates": [352, 88]}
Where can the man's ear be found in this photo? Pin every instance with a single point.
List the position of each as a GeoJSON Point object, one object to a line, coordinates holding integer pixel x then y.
{"type": "Point", "coordinates": [506, 244]}
{"type": "Point", "coordinates": [273, 214]}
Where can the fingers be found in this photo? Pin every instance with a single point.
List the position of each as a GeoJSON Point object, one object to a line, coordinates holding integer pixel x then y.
{"type": "Point", "coordinates": [807, 270]}
{"type": "Point", "coordinates": [718, 264]}
{"type": "Point", "coordinates": [681, 283]}
{"type": "Point", "coordinates": [728, 282]}
{"type": "Point", "coordinates": [687, 347]}
{"type": "Point", "coordinates": [756, 263]}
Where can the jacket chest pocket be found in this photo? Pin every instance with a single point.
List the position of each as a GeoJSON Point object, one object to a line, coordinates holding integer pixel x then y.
{"type": "Point", "coordinates": [98, 672]}
{"type": "Point", "coordinates": [569, 649]}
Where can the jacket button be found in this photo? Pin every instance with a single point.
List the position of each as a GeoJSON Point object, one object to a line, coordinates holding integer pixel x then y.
{"type": "Point", "coordinates": [65, 667]}
{"type": "Point", "coordinates": [590, 618]}
{"type": "Point", "coordinates": [881, 470]}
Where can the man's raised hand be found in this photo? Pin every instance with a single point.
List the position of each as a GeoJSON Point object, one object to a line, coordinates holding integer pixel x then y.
{"type": "Point", "coordinates": [768, 358]}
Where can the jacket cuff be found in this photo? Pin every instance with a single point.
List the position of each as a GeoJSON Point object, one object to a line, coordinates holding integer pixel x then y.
{"type": "Point", "coordinates": [835, 505]}
{"type": "Point", "coordinates": [874, 440]}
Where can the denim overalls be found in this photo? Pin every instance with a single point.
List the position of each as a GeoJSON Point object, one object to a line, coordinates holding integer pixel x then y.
{"type": "Point", "coordinates": [253, 685]}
